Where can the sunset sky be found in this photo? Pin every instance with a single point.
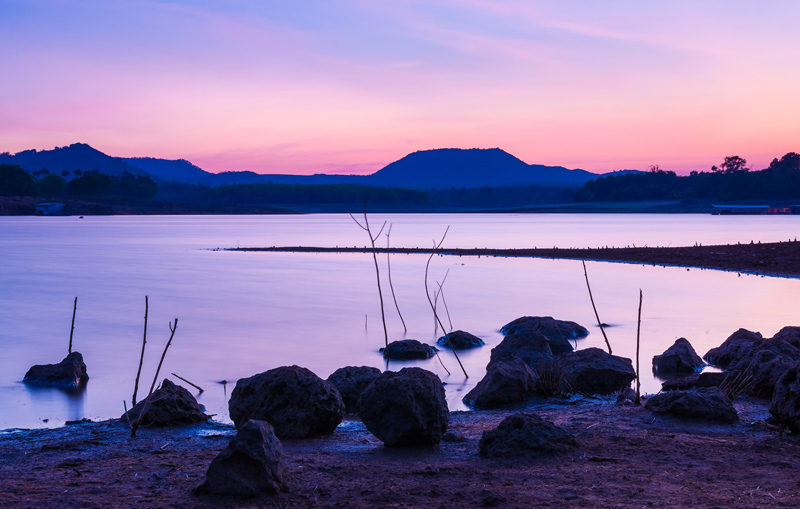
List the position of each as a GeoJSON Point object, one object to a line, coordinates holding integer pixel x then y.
{"type": "Point", "coordinates": [340, 86]}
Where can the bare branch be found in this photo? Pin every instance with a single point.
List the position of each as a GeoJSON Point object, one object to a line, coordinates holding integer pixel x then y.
{"type": "Point", "coordinates": [155, 379]}
{"type": "Point", "coordinates": [599, 323]}
{"type": "Point", "coordinates": [391, 287]}
{"type": "Point", "coordinates": [141, 358]}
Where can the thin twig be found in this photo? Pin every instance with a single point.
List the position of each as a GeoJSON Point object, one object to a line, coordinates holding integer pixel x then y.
{"type": "Point", "coordinates": [638, 399]}
{"type": "Point", "coordinates": [72, 330]}
{"type": "Point", "coordinates": [599, 323]}
{"type": "Point", "coordinates": [188, 382]}
{"type": "Point", "coordinates": [428, 294]}
{"type": "Point", "coordinates": [372, 238]}
{"type": "Point", "coordinates": [391, 287]}
{"type": "Point", "coordinates": [125, 406]}
{"type": "Point", "coordinates": [141, 357]}
{"type": "Point", "coordinates": [441, 292]}
{"type": "Point", "coordinates": [155, 378]}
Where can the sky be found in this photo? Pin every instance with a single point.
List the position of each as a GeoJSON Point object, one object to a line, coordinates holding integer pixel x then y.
{"type": "Point", "coordinates": [348, 86]}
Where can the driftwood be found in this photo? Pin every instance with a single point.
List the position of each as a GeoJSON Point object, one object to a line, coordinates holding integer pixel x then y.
{"type": "Point", "coordinates": [155, 379]}
{"type": "Point", "coordinates": [188, 382]}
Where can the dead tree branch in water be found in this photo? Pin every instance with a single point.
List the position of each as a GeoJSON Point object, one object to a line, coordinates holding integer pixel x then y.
{"type": "Point", "coordinates": [441, 292]}
{"type": "Point", "coordinates": [188, 382]}
{"type": "Point", "coordinates": [72, 330]}
{"type": "Point", "coordinates": [372, 239]}
{"type": "Point", "coordinates": [391, 286]}
{"type": "Point", "coordinates": [638, 399]}
{"type": "Point", "coordinates": [433, 308]}
{"type": "Point", "coordinates": [599, 323]}
{"type": "Point", "coordinates": [141, 357]}
{"type": "Point", "coordinates": [155, 379]}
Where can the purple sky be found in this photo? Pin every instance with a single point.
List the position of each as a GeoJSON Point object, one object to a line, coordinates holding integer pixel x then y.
{"type": "Point", "coordinates": [350, 86]}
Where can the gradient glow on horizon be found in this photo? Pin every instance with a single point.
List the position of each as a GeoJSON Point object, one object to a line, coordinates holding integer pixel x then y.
{"type": "Point", "coordinates": [348, 86]}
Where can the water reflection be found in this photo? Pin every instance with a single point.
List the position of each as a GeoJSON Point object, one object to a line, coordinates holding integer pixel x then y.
{"type": "Point", "coordinates": [66, 403]}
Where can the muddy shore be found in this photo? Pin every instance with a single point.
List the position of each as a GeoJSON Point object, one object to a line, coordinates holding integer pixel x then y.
{"type": "Point", "coordinates": [773, 259]}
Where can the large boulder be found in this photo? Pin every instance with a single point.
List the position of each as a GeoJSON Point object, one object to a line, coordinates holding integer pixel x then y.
{"type": "Point", "coordinates": [761, 367]}
{"type": "Point", "coordinates": [408, 349]}
{"type": "Point", "coordinates": [295, 401]}
{"type": "Point", "coordinates": [251, 464]}
{"type": "Point", "coordinates": [460, 340]}
{"type": "Point", "coordinates": [506, 383]}
{"type": "Point", "coordinates": [790, 334]}
{"type": "Point", "coordinates": [533, 348]}
{"type": "Point", "coordinates": [525, 434]}
{"type": "Point", "coordinates": [593, 371]}
{"type": "Point", "coordinates": [169, 405]}
{"type": "Point", "coordinates": [705, 379]}
{"type": "Point", "coordinates": [351, 381]}
{"type": "Point", "coordinates": [708, 403]}
{"type": "Point", "coordinates": [785, 407]}
{"type": "Point", "coordinates": [547, 325]}
{"type": "Point", "coordinates": [678, 359]}
{"type": "Point", "coordinates": [737, 344]}
{"type": "Point", "coordinates": [406, 407]}
{"type": "Point", "coordinates": [69, 373]}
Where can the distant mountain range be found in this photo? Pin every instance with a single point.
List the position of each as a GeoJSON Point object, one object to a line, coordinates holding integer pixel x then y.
{"type": "Point", "coordinates": [427, 169]}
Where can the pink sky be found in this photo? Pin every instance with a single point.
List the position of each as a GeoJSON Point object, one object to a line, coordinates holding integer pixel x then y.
{"type": "Point", "coordinates": [350, 86]}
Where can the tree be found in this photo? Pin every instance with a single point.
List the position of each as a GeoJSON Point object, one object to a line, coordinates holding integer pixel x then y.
{"type": "Point", "coordinates": [14, 181]}
{"type": "Point", "coordinates": [52, 184]}
{"type": "Point", "coordinates": [89, 184]}
{"type": "Point", "coordinates": [734, 164]}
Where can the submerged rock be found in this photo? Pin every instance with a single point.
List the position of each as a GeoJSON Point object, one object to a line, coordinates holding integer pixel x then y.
{"type": "Point", "coordinates": [250, 465]}
{"type": "Point", "coordinates": [506, 383]}
{"type": "Point", "coordinates": [351, 381]}
{"type": "Point", "coordinates": [707, 403]}
{"type": "Point", "coordinates": [593, 371]}
{"type": "Point", "coordinates": [407, 349]}
{"type": "Point", "coordinates": [295, 401]}
{"type": "Point", "coordinates": [169, 405]}
{"type": "Point", "coordinates": [736, 345]}
{"type": "Point", "coordinates": [533, 348]}
{"type": "Point", "coordinates": [460, 340]}
{"type": "Point", "coordinates": [406, 407]}
{"type": "Point", "coordinates": [525, 434]}
{"type": "Point", "coordinates": [547, 325]}
{"type": "Point", "coordinates": [69, 373]}
{"type": "Point", "coordinates": [680, 358]}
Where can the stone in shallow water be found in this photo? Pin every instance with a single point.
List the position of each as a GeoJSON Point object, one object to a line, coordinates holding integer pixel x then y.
{"type": "Point", "coordinates": [408, 349]}
{"type": "Point", "coordinates": [680, 358]}
{"type": "Point", "coordinates": [506, 383]}
{"type": "Point", "coordinates": [737, 344]}
{"type": "Point", "coordinates": [351, 381]}
{"type": "Point", "coordinates": [69, 373]}
{"type": "Point", "coordinates": [169, 405]}
{"type": "Point", "coordinates": [593, 371]}
{"type": "Point", "coordinates": [707, 403]}
{"type": "Point", "coordinates": [460, 340]}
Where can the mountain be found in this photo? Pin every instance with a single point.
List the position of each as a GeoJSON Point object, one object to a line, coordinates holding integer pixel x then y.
{"type": "Point", "coordinates": [169, 170]}
{"type": "Point", "coordinates": [451, 167]}
{"type": "Point", "coordinates": [78, 156]}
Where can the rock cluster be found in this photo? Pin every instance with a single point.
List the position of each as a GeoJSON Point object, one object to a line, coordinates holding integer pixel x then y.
{"type": "Point", "coordinates": [351, 381]}
{"type": "Point", "coordinates": [295, 401]}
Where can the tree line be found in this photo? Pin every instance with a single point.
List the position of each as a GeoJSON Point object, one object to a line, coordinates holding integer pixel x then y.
{"type": "Point", "coordinates": [731, 181]}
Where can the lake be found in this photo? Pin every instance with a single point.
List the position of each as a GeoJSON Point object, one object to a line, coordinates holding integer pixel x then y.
{"type": "Point", "coordinates": [241, 313]}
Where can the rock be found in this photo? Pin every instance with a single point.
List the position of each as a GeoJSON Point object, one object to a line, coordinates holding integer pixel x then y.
{"type": "Point", "coordinates": [408, 349]}
{"type": "Point", "coordinates": [70, 373]}
{"type": "Point", "coordinates": [707, 403]}
{"type": "Point", "coordinates": [250, 465]}
{"type": "Point", "coordinates": [506, 383]}
{"type": "Point", "coordinates": [677, 359]}
{"type": "Point", "coordinates": [736, 344]}
{"type": "Point", "coordinates": [461, 340]}
{"type": "Point", "coordinates": [525, 434]}
{"type": "Point", "coordinates": [785, 406]}
{"type": "Point", "coordinates": [761, 368]}
{"type": "Point", "coordinates": [295, 401]}
{"type": "Point", "coordinates": [790, 334]}
{"type": "Point", "coordinates": [593, 371]}
{"type": "Point", "coordinates": [533, 348]}
{"type": "Point", "coordinates": [407, 407]}
{"type": "Point", "coordinates": [351, 381]}
{"type": "Point", "coordinates": [547, 325]}
{"type": "Point", "coordinates": [710, 379]}
{"type": "Point", "coordinates": [170, 405]}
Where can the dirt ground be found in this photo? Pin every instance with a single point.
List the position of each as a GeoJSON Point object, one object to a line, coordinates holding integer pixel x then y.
{"type": "Point", "coordinates": [627, 457]}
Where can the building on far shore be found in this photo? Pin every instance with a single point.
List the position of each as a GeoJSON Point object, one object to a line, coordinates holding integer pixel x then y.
{"type": "Point", "coordinates": [752, 209]}
{"type": "Point", "coordinates": [52, 209]}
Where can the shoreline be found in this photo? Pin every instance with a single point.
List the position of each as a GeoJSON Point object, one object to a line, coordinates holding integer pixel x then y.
{"type": "Point", "coordinates": [776, 259]}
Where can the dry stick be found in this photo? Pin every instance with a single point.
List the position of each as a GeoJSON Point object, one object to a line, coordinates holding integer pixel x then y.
{"type": "Point", "coordinates": [155, 378]}
{"type": "Point", "coordinates": [125, 406]}
{"type": "Point", "coordinates": [638, 399]}
{"type": "Point", "coordinates": [391, 287]}
{"type": "Point", "coordinates": [72, 330]}
{"type": "Point", "coordinates": [599, 324]}
{"type": "Point", "coordinates": [441, 292]}
{"type": "Point", "coordinates": [435, 307]}
{"type": "Point", "coordinates": [188, 382]}
{"type": "Point", "coordinates": [141, 358]}
{"type": "Point", "coordinates": [366, 228]}
{"type": "Point", "coordinates": [428, 294]}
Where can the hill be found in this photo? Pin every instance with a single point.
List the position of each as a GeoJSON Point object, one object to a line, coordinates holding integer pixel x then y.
{"type": "Point", "coordinates": [169, 170]}
{"type": "Point", "coordinates": [78, 156]}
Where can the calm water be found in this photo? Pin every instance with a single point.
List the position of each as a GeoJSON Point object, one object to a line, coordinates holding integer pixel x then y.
{"type": "Point", "coordinates": [243, 313]}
